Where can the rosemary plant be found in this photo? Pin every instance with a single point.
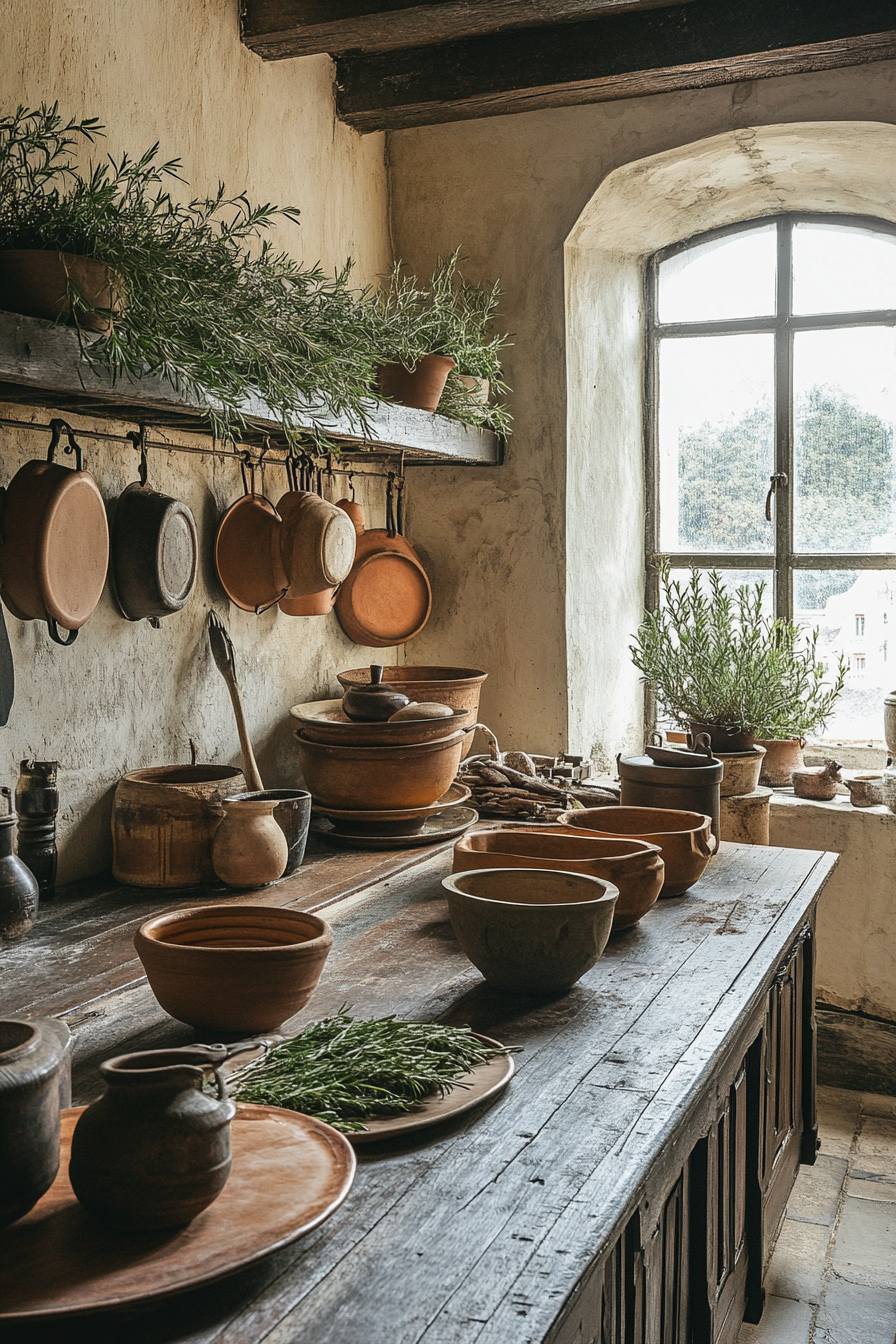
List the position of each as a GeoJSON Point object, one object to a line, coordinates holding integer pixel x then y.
{"type": "Point", "coordinates": [343, 1070]}
{"type": "Point", "coordinates": [715, 657]}
{"type": "Point", "coordinates": [205, 299]}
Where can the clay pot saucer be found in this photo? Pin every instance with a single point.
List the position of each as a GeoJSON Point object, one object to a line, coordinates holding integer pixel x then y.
{"type": "Point", "coordinates": [391, 821]}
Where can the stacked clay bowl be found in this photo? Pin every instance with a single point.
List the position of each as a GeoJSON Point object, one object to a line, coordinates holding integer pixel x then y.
{"type": "Point", "coordinates": [233, 968]}
{"type": "Point", "coordinates": [326, 721]}
{"type": "Point", "coordinates": [363, 778]}
{"type": "Point", "coordinates": [634, 866]}
{"type": "Point", "coordinates": [684, 839]}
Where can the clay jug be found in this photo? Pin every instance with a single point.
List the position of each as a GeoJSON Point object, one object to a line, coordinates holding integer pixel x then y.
{"type": "Point", "coordinates": [32, 1057]}
{"type": "Point", "coordinates": [250, 849]}
{"type": "Point", "coordinates": [154, 1150]}
{"type": "Point", "coordinates": [19, 894]}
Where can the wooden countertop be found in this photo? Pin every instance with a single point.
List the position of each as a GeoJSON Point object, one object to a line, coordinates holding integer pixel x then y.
{"type": "Point", "coordinates": [481, 1229]}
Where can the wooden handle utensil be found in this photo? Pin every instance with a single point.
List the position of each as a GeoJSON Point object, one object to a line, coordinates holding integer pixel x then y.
{"type": "Point", "coordinates": [222, 652]}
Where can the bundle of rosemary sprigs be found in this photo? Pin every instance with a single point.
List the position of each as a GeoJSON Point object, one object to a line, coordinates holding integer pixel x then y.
{"type": "Point", "coordinates": [344, 1070]}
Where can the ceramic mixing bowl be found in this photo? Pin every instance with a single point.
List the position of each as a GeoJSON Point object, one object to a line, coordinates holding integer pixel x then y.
{"type": "Point", "coordinates": [684, 838]}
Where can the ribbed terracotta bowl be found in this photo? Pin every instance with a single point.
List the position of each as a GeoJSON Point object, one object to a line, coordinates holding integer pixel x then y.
{"type": "Point", "coordinates": [240, 968]}
{"type": "Point", "coordinates": [634, 866]}
{"type": "Point", "coordinates": [684, 838]}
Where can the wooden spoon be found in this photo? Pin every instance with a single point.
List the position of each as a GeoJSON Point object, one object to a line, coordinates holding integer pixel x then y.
{"type": "Point", "coordinates": [222, 652]}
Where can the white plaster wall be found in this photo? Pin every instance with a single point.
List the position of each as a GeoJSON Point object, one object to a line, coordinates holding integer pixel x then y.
{"type": "Point", "coordinates": [856, 910]}
{"type": "Point", "coordinates": [538, 564]}
{"type": "Point", "coordinates": [127, 696]}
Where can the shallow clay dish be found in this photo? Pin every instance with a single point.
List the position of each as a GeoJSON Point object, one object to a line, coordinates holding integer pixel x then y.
{"type": "Point", "coordinates": [446, 825]}
{"type": "Point", "coordinates": [391, 821]}
{"type": "Point", "coordinates": [326, 721]}
{"type": "Point", "coordinates": [684, 838]}
{"type": "Point", "coordinates": [290, 1173]}
{"type": "Point", "coordinates": [233, 967]}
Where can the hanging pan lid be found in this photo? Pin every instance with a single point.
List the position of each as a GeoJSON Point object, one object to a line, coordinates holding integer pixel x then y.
{"type": "Point", "coordinates": [247, 550]}
{"type": "Point", "coordinates": [154, 550]}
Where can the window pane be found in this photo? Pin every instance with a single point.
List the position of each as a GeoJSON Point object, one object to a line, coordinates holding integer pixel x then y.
{"type": "Point", "coordinates": [715, 442]}
{"type": "Point", "coordinates": [844, 413]}
{"type": "Point", "coordinates": [727, 277]}
{"type": "Point", "coordinates": [842, 270]}
{"type": "Point", "coordinates": [855, 614]}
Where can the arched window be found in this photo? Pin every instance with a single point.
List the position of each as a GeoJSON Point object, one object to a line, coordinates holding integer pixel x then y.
{"type": "Point", "coordinates": [771, 452]}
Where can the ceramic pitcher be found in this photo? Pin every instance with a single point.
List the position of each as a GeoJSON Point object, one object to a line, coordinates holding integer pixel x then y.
{"type": "Point", "coordinates": [250, 849]}
{"type": "Point", "coordinates": [154, 1150]}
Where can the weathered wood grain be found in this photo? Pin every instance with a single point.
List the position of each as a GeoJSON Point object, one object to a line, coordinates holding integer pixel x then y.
{"type": "Point", "coordinates": [41, 365]}
{"type": "Point", "coordinates": [620, 55]}
{"type": "Point", "coordinates": [277, 29]}
{"type": "Point", "coordinates": [484, 1231]}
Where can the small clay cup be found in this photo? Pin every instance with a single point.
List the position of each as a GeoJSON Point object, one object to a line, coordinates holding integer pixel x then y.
{"type": "Point", "coordinates": [233, 968]}
{"type": "Point", "coordinates": [531, 930]}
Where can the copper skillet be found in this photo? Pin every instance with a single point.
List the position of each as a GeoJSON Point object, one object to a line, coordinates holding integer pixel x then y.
{"type": "Point", "coordinates": [247, 549]}
{"type": "Point", "coordinates": [55, 549]}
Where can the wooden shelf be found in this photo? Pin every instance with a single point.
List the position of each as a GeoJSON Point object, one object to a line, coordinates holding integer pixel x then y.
{"type": "Point", "coordinates": [41, 365]}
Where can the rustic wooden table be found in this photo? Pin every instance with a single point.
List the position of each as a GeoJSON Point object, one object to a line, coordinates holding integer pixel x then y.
{"type": "Point", "coordinates": [501, 1226]}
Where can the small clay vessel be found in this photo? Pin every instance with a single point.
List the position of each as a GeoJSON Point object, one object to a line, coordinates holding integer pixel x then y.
{"type": "Point", "coordinates": [19, 895]}
{"type": "Point", "coordinates": [817, 781]}
{"type": "Point", "coordinates": [250, 849]}
{"type": "Point", "coordinates": [375, 702]}
{"type": "Point", "coordinates": [865, 790]}
{"type": "Point", "coordinates": [154, 1150]}
{"type": "Point", "coordinates": [33, 1060]}
{"type": "Point", "coordinates": [783, 755]}
{"type": "Point", "coordinates": [292, 813]}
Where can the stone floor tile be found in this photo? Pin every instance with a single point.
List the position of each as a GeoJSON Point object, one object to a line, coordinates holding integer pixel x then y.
{"type": "Point", "coordinates": [783, 1322]}
{"type": "Point", "coordinates": [864, 1250]}
{"type": "Point", "coordinates": [797, 1265]}
{"type": "Point", "coordinates": [839, 1115]}
{"type": "Point", "coordinates": [852, 1314]}
{"type": "Point", "coordinates": [877, 1136]}
{"type": "Point", "coordinates": [815, 1197]}
{"type": "Point", "coordinates": [871, 1185]}
{"type": "Point", "coordinates": [874, 1104]}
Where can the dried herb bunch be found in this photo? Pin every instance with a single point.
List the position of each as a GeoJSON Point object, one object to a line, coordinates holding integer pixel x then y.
{"type": "Point", "coordinates": [205, 299]}
{"type": "Point", "coordinates": [716, 657]}
{"type": "Point", "coordinates": [449, 316]}
{"type": "Point", "coordinates": [343, 1070]}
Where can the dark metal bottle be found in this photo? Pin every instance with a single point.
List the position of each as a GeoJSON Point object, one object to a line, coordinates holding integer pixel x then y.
{"type": "Point", "coordinates": [37, 802]}
{"type": "Point", "coordinates": [18, 889]}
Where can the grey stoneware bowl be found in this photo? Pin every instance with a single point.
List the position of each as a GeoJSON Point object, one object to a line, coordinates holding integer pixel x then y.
{"type": "Point", "coordinates": [531, 930]}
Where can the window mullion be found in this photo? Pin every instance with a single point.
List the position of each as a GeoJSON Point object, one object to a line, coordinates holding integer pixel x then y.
{"type": "Point", "coordinates": [783, 500]}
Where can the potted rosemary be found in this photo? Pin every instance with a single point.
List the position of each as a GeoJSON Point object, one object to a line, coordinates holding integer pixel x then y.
{"type": "Point", "coordinates": [437, 347]}
{"type": "Point", "coordinates": [718, 663]}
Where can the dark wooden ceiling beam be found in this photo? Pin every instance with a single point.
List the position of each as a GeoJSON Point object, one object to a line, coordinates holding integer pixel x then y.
{"type": "Point", "coordinates": [277, 29]}
{"type": "Point", "coordinates": [618, 56]}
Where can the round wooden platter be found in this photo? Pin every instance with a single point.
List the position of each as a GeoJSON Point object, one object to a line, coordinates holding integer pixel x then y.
{"type": "Point", "coordinates": [472, 1089]}
{"type": "Point", "coordinates": [290, 1172]}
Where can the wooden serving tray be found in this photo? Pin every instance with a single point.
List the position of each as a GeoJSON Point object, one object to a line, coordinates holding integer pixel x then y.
{"type": "Point", "coordinates": [290, 1172]}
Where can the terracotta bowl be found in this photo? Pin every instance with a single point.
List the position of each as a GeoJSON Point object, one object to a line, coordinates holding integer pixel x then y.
{"type": "Point", "coordinates": [379, 777]}
{"type": "Point", "coordinates": [531, 930]}
{"type": "Point", "coordinates": [233, 968]}
{"type": "Point", "coordinates": [685, 839]}
{"type": "Point", "coordinates": [633, 866]}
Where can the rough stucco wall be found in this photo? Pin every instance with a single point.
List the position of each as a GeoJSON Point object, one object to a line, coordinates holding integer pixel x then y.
{"type": "Point", "coordinates": [128, 696]}
{"type": "Point", "coordinates": [537, 577]}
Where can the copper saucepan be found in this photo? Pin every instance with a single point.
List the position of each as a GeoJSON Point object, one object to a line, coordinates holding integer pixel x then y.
{"type": "Point", "coordinates": [247, 549]}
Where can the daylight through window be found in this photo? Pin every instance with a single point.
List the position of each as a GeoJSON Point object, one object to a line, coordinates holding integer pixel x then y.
{"type": "Point", "coordinates": [773, 392]}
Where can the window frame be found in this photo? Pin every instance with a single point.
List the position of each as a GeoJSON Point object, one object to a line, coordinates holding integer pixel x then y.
{"type": "Point", "coordinates": [782, 562]}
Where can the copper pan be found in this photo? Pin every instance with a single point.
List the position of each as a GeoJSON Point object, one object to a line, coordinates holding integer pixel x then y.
{"type": "Point", "coordinates": [247, 550]}
{"type": "Point", "coordinates": [317, 541]}
{"type": "Point", "coordinates": [55, 549]}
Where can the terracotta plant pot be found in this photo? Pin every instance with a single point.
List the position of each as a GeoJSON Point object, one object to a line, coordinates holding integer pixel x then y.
{"type": "Point", "coordinates": [782, 757]}
{"type": "Point", "coordinates": [232, 967]}
{"type": "Point", "coordinates": [164, 822]}
{"type": "Point", "coordinates": [685, 839]}
{"type": "Point", "coordinates": [531, 930]}
{"type": "Point", "coordinates": [379, 777]}
{"type": "Point", "coordinates": [420, 388]}
{"type": "Point", "coordinates": [249, 849]}
{"type": "Point", "coordinates": [35, 282]}
{"type": "Point", "coordinates": [633, 866]}
{"type": "Point", "coordinates": [742, 770]}
{"type": "Point", "coordinates": [723, 738]}
{"type": "Point", "coordinates": [458, 687]}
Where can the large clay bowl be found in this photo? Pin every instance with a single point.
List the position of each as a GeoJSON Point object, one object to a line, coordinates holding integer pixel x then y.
{"type": "Point", "coordinates": [233, 968]}
{"type": "Point", "coordinates": [458, 687]}
{"type": "Point", "coordinates": [685, 839]}
{"type": "Point", "coordinates": [325, 721]}
{"type": "Point", "coordinates": [412, 775]}
{"type": "Point", "coordinates": [530, 930]}
{"type": "Point", "coordinates": [633, 866]}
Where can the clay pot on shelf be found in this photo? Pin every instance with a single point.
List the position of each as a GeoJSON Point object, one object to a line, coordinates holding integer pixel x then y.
{"type": "Point", "coordinates": [226, 968]}
{"type": "Point", "coordinates": [684, 838]}
{"type": "Point", "coordinates": [530, 930]}
{"type": "Point", "coordinates": [34, 1062]}
{"type": "Point", "coordinates": [154, 1150]}
{"type": "Point", "coordinates": [633, 866]}
{"type": "Point", "coordinates": [421, 387]}
{"type": "Point", "coordinates": [817, 781]}
{"type": "Point", "coordinates": [35, 282]}
{"type": "Point", "coordinates": [249, 849]}
{"type": "Point", "coordinates": [723, 737]}
{"type": "Point", "coordinates": [164, 822]}
{"type": "Point", "coordinates": [782, 756]}
{"type": "Point", "coordinates": [745, 817]}
{"type": "Point", "coordinates": [742, 770]}
{"type": "Point", "coordinates": [865, 790]}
